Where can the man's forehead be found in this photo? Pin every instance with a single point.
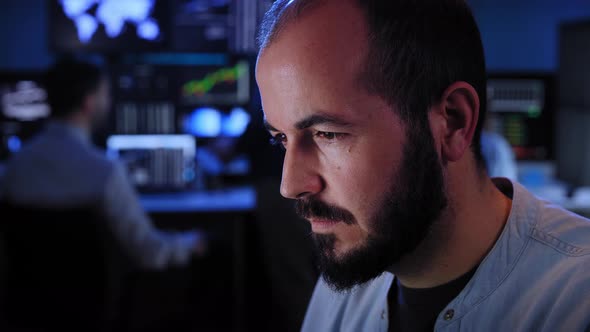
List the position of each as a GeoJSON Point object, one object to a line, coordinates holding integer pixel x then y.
{"type": "Point", "coordinates": [333, 27]}
{"type": "Point", "coordinates": [312, 68]}
{"type": "Point", "coordinates": [324, 60]}
{"type": "Point", "coordinates": [289, 12]}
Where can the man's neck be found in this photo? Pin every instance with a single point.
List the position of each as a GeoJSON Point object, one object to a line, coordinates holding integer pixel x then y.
{"type": "Point", "coordinates": [461, 238]}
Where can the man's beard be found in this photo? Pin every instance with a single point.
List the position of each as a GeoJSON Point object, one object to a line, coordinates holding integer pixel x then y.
{"type": "Point", "coordinates": [404, 216]}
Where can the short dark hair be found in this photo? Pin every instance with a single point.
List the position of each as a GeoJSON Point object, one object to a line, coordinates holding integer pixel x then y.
{"type": "Point", "coordinates": [69, 81]}
{"type": "Point", "coordinates": [417, 48]}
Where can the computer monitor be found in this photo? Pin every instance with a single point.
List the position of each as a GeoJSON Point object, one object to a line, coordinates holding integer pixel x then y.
{"type": "Point", "coordinates": [521, 108]}
{"type": "Point", "coordinates": [156, 162]}
{"type": "Point", "coordinates": [202, 26]}
{"type": "Point", "coordinates": [214, 84]}
{"type": "Point", "coordinates": [111, 26]}
{"type": "Point", "coordinates": [573, 120]}
{"type": "Point", "coordinates": [142, 99]}
{"type": "Point", "coordinates": [23, 109]}
{"type": "Point", "coordinates": [156, 98]}
{"type": "Point", "coordinates": [219, 133]}
{"type": "Point", "coordinates": [220, 26]}
{"type": "Point", "coordinates": [23, 97]}
{"type": "Point", "coordinates": [211, 122]}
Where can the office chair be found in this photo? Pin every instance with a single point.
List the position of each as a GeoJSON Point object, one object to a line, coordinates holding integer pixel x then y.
{"type": "Point", "coordinates": [57, 270]}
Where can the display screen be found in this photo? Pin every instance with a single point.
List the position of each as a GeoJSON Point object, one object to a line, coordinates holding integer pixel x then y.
{"type": "Point", "coordinates": [520, 108]}
{"type": "Point", "coordinates": [108, 25]}
{"type": "Point", "coordinates": [23, 100]}
{"type": "Point", "coordinates": [23, 109]}
{"type": "Point", "coordinates": [215, 85]}
{"type": "Point", "coordinates": [202, 25]}
{"type": "Point", "coordinates": [156, 162]}
{"type": "Point", "coordinates": [209, 122]}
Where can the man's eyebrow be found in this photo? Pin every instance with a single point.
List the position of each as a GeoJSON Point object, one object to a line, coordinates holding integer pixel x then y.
{"type": "Point", "coordinates": [312, 120]}
{"type": "Point", "coordinates": [316, 119]}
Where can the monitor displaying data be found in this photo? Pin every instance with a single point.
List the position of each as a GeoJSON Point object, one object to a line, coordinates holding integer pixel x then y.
{"type": "Point", "coordinates": [156, 162]}
{"type": "Point", "coordinates": [214, 85]}
{"type": "Point", "coordinates": [521, 108]}
{"type": "Point", "coordinates": [23, 98]}
{"type": "Point", "coordinates": [210, 122]}
{"type": "Point", "coordinates": [202, 25]}
{"type": "Point", "coordinates": [23, 109]}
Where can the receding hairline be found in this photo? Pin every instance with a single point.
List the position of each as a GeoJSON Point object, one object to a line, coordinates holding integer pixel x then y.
{"type": "Point", "coordinates": [288, 13]}
{"type": "Point", "coordinates": [285, 16]}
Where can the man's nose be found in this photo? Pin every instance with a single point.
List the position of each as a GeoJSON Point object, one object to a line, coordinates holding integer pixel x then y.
{"type": "Point", "coordinates": [300, 174]}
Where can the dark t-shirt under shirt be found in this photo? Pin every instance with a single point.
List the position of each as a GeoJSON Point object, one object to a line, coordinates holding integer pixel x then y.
{"type": "Point", "coordinates": [416, 309]}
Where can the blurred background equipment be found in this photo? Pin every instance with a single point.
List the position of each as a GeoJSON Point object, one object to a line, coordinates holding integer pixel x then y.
{"type": "Point", "coordinates": [521, 109]}
{"type": "Point", "coordinates": [156, 162]}
{"type": "Point", "coordinates": [23, 107]}
{"type": "Point", "coordinates": [573, 121]}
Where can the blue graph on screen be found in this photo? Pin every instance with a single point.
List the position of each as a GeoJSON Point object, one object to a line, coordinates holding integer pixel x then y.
{"type": "Point", "coordinates": [113, 15]}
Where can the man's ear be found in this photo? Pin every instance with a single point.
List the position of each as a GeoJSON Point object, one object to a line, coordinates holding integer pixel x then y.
{"type": "Point", "coordinates": [454, 120]}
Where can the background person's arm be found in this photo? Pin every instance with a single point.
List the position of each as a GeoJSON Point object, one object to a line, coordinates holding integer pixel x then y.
{"type": "Point", "coordinates": [131, 226]}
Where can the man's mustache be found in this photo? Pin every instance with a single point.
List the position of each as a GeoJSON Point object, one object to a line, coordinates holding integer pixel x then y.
{"type": "Point", "coordinates": [313, 208]}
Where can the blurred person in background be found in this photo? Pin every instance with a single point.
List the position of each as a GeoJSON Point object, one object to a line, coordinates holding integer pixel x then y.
{"type": "Point", "coordinates": [61, 168]}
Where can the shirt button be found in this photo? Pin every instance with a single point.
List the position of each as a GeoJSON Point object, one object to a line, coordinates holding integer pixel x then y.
{"type": "Point", "coordinates": [449, 314]}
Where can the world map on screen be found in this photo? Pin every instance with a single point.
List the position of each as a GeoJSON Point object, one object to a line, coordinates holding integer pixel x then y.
{"type": "Point", "coordinates": [113, 15]}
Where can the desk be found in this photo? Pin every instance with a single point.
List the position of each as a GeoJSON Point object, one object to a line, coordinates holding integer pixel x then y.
{"type": "Point", "coordinates": [239, 199]}
{"type": "Point", "coordinates": [216, 289]}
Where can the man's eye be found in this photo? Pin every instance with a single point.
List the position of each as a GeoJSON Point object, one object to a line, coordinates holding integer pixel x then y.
{"type": "Point", "coordinates": [328, 135]}
{"type": "Point", "coordinates": [278, 139]}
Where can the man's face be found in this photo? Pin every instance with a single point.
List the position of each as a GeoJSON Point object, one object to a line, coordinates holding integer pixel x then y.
{"type": "Point", "coordinates": [369, 187]}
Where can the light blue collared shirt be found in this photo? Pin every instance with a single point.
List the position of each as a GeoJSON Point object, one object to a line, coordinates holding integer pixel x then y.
{"type": "Point", "coordinates": [61, 168]}
{"type": "Point", "coordinates": [535, 278]}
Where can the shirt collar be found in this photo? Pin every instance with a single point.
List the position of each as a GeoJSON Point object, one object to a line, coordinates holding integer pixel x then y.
{"type": "Point", "coordinates": [500, 261]}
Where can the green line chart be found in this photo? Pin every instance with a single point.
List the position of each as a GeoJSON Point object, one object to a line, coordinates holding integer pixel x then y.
{"type": "Point", "coordinates": [227, 75]}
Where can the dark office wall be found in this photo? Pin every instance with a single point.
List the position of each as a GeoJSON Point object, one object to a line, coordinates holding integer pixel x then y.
{"type": "Point", "coordinates": [522, 35]}
{"type": "Point", "coordinates": [518, 35]}
{"type": "Point", "coordinates": [23, 34]}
